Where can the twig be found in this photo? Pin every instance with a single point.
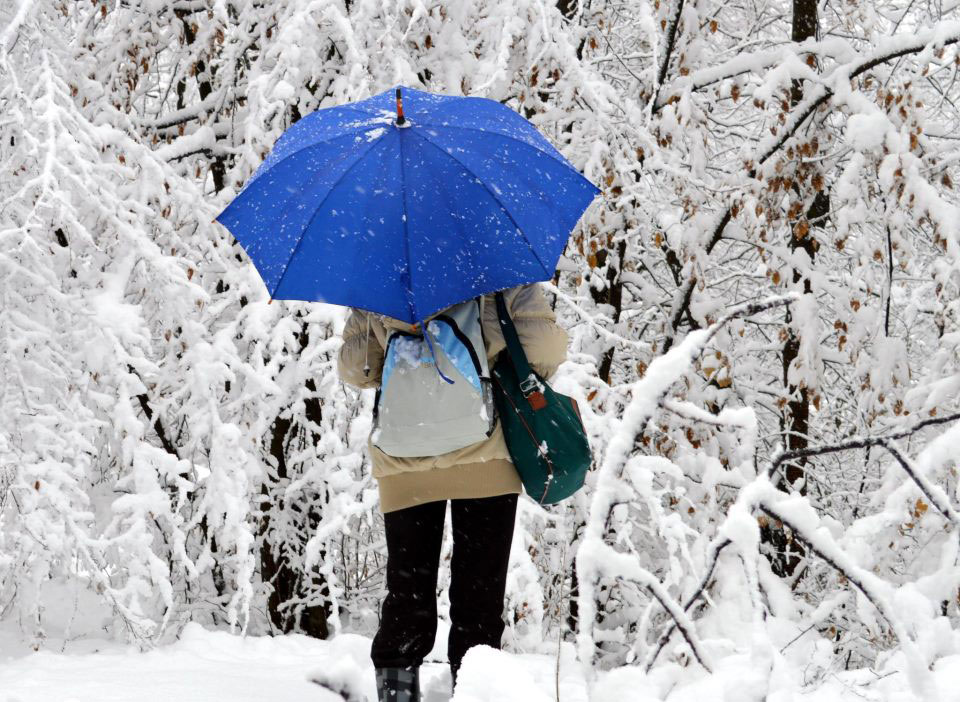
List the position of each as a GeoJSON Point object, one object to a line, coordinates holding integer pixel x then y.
{"type": "Point", "coordinates": [860, 442]}
{"type": "Point", "coordinates": [934, 494]}
{"type": "Point", "coordinates": [717, 546]}
{"type": "Point", "coordinates": [797, 637]}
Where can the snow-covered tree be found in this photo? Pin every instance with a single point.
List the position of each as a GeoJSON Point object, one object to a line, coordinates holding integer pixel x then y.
{"type": "Point", "coordinates": [763, 310]}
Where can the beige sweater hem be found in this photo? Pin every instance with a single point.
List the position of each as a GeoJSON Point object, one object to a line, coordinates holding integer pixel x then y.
{"type": "Point", "coordinates": [464, 481]}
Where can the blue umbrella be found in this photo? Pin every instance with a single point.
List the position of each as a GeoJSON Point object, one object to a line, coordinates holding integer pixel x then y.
{"type": "Point", "coordinates": [405, 208]}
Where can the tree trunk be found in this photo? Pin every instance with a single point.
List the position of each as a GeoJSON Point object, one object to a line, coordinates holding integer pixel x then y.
{"type": "Point", "coordinates": [612, 294]}
{"type": "Point", "coordinates": [219, 166]}
{"type": "Point", "coordinates": [288, 581]}
{"type": "Point", "coordinates": [795, 421]}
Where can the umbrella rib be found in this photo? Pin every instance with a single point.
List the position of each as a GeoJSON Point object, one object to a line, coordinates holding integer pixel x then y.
{"type": "Point", "coordinates": [259, 174]}
{"type": "Point", "coordinates": [301, 150]}
{"type": "Point", "coordinates": [495, 199]}
{"type": "Point", "coordinates": [406, 232]}
{"type": "Point", "coordinates": [490, 132]}
{"type": "Point", "coordinates": [354, 108]}
{"type": "Point", "coordinates": [319, 207]}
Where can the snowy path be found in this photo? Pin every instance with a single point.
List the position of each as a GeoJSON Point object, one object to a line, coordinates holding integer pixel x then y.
{"type": "Point", "coordinates": [214, 666]}
{"type": "Point", "coordinates": [201, 667]}
{"type": "Point", "coordinates": [210, 666]}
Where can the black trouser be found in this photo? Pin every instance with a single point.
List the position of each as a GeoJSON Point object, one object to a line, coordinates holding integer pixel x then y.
{"type": "Point", "coordinates": [482, 532]}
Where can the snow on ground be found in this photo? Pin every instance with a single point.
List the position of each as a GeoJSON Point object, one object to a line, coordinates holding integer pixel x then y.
{"type": "Point", "coordinates": [210, 666]}
{"type": "Point", "coordinates": [201, 667]}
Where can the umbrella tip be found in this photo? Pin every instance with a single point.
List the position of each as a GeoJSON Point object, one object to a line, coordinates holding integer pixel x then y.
{"type": "Point", "coordinates": [400, 118]}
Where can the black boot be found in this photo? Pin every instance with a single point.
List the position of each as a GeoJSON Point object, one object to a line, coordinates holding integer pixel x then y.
{"type": "Point", "coordinates": [398, 684]}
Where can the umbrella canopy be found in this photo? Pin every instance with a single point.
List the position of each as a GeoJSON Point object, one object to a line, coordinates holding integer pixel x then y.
{"type": "Point", "coordinates": [406, 210]}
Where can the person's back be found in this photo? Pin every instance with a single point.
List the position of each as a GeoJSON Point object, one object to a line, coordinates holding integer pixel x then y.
{"type": "Point", "coordinates": [405, 482]}
{"type": "Point", "coordinates": [483, 486]}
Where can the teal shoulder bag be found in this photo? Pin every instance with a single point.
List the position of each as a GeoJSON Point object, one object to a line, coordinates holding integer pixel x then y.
{"type": "Point", "coordinates": [542, 428]}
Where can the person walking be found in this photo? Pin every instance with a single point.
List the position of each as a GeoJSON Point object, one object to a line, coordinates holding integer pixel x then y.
{"type": "Point", "coordinates": [482, 486]}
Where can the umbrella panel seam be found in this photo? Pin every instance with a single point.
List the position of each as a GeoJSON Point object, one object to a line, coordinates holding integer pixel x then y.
{"type": "Point", "coordinates": [306, 229]}
{"type": "Point", "coordinates": [323, 142]}
{"type": "Point", "coordinates": [556, 155]}
{"type": "Point", "coordinates": [494, 198]}
{"type": "Point", "coordinates": [406, 231]}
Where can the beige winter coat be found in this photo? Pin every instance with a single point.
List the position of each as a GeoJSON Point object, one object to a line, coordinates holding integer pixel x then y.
{"type": "Point", "coordinates": [479, 470]}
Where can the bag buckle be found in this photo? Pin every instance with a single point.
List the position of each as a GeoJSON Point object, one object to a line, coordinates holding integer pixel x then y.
{"type": "Point", "coordinates": [528, 385]}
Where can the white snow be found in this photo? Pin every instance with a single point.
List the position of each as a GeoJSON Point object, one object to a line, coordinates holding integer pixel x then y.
{"type": "Point", "coordinates": [411, 350]}
{"type": "Point", "coordinates": [143, 374]}
{"type": "Point", "coordinates": [867, 132]}
{"type": "Point", "coordinates": [205, 665]}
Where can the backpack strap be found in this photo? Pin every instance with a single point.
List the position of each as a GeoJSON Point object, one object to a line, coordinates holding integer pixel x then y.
{"type": "Point", "coordinates": [433, 355]}
{"type": "Point", "coordinates": [529, 383]}
{"type": "Point", "coordinates": [481, 299]}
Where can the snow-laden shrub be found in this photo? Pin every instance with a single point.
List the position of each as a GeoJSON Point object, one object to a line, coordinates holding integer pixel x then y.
{"type": "Point", "coordinates": [771, 480]}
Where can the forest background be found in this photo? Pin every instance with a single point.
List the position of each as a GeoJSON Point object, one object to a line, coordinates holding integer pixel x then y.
{"type": "Point", "coordinates": [763, 309]}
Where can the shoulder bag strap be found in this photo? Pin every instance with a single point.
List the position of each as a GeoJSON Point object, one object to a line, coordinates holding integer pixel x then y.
{"type": "Point", "coordinates": [529, 384]}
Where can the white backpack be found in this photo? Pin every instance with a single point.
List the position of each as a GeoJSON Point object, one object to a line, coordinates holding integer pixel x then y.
{"type": "Point", "coordinates": [435, 394]}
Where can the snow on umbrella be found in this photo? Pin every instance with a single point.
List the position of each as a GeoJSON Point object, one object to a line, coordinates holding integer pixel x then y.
{"type": "Point", "coordinates": [405, 214]}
